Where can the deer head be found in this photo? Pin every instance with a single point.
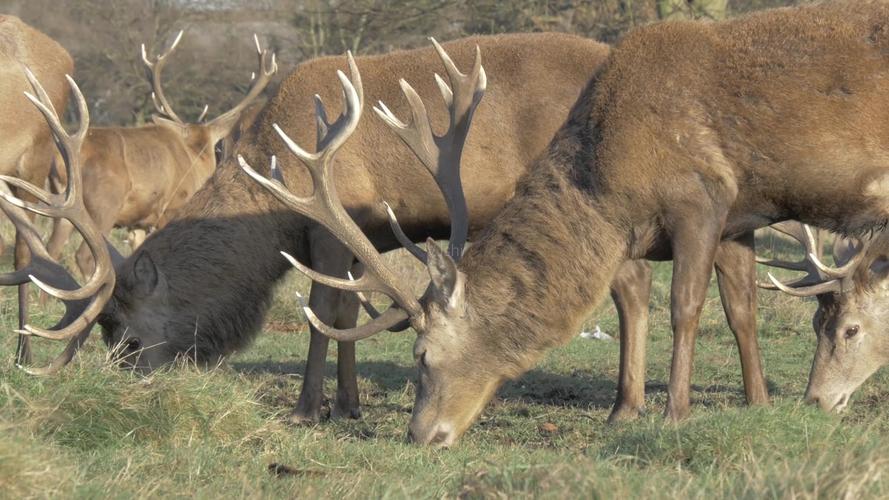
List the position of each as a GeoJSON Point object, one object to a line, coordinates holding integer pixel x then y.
{"type": "Point", "coordinates": [202, 136]}
{"type": "Point", "coordinates": [454, 381]}
{"type": "Point", "coordinates": [853, 311]}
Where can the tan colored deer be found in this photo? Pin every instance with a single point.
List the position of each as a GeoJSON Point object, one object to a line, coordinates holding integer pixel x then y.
{"type": "Point", "coordinates": [26, 149]}
{"type": "Point", "coordinates": [137, 177]}
{"type": "Point", "coordinates": [690, 133]}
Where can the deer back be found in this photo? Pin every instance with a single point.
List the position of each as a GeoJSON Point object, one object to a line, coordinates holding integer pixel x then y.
{"type": "Point", "coordinates": [534, 79]}
{"type": "Point", "coordinates": [27, 148]}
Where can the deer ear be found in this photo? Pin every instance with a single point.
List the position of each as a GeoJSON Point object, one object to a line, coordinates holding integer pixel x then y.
{"type": "Point", "coordinates": [447, 280]}
{"type": "Point", "coordinates": [145, 277]}
{"type": "Point", "coordinates": [880, 269]}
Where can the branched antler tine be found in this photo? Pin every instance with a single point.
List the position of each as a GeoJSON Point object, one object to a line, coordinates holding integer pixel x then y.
{"type": "Point", "coordinates": [803, 281]}
{"type": "Point", "coordinates": [355, 76]}
{"type": "Point", "coordinates": [387, 116]}
{"type": "Point", "coordinates": [154, 70]}
{"type": "Point", "coordinates": [62, 359]}
{"type": "Point", "coordinates": [402, 238]}
{"type": "Point", "coordinates": [40, 209]}
{"type": "Point", "coordinates": [782, 264]}
{"type": "Point", "coordinates": [268, 66]}
{"type": "Point", "coordinates": [363, 284]}
{"type": "Point", "coordinates": [808, 291]}
{"type": "Point", "coordinates": [446, 93]}
{"type": "Point", "coordinates": [321, 124]}
{"type": "Point", "coordinates": [299, 204]}
{"type": "Point", "coordinates": [42, 96]}
{"type": "Point", "coordinates": [40, 194]}
{"type": "Point", "coordinates": [308, 159]}
{"type": "Point", "coordinates": [84, 321]}
{"type": "Point", "coordinates": [391, 317]}
{"type": "Point", "coordinates": [418, 132]}
{"type": "Point", "coordinates": [343, 127]}
{"type": "Point", "coordinates": [844, 270]}
{"type": "Point", "coordinates": [364, 301]}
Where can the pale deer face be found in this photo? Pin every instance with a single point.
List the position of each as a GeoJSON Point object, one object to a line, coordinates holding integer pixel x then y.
{"type": "Point", "coordinates": [459, 365]}
{"type": "Point", "coordinates": [853, 338]}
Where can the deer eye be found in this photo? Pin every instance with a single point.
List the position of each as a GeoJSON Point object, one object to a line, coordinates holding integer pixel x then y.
{"type": "Point", "coordinates": [851, 332]}
{"type": "Point", "coordinates": [422, 360]}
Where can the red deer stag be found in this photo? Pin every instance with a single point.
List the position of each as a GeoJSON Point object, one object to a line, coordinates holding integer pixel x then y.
{"type": "Point", "coordinates": [852, 312]}
{"type": "Point", "coordinates": [136, 177]}
{"type": "Point", "coordinates": [27, 149]}
{"type": "Point", "coordinates": [734, 135]}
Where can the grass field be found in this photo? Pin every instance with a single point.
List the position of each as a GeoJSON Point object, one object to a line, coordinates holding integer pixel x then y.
{"type": "Point", "coordinates": [95, 431]}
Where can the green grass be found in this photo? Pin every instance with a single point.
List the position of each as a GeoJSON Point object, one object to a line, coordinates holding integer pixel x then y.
{"type": "Point", "coordinates": [95, 431]}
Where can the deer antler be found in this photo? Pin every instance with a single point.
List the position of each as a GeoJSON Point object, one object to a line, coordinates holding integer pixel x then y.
{"type": "Point", "coordinates": [153, 71]}
{"type": "Point", "coordinates": [324, 206]}
{"type": "Point", "coordinates": [440, 155]}
{"type": "Point", "coordinates": [820, 278]}
{"type": "Point", "coordinates": [268, 66]}
{"type": "Point", "coordinates": [83, 303]}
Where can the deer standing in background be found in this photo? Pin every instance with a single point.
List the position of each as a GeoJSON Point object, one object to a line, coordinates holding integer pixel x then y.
{"type": "Point", "coordinates": [26, 148]}
{"type": "Point", "coordinates": [689, 134]}
{"type": "Point", "coordinates": [137, 177]}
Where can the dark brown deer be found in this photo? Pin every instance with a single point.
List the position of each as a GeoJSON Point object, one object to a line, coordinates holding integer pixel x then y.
{"type": "Point", "coordinates": [27, 150]}
{"type": "Point", "coordinates": [137, 177]}
{"type": "Point", "coordinates": [689, 134]}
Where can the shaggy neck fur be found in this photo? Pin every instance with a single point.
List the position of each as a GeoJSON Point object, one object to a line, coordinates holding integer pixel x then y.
{"type": "Point", "coordinates": [548, 258]}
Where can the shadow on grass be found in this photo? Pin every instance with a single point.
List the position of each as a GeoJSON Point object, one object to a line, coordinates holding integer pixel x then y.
{"type": "Point", "coordinates": [576, 390]}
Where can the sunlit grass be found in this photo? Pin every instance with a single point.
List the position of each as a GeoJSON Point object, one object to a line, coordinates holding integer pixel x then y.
{"type": "Point", "coordinates": [95, 431]}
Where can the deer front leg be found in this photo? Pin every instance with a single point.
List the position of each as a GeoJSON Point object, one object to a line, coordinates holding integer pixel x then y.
{"type": "Point", "coordinates": [694, 243]}
{"type": "Point", "coordinates": [329, 257]}
{"type": "Point", "coordinates": [630, 291]}
{"type": "Point", "coordinates": [736, 275]}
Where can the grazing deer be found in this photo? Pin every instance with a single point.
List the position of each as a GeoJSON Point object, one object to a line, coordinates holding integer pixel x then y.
{"type": "Point", "coordinates": [137, 177]}
{"type": "Point", "coordinates": [852, 312]}
{"type": "Point", "coordinates": [27, 151]}
{"type": "Point", "coordinates": [689, 134]}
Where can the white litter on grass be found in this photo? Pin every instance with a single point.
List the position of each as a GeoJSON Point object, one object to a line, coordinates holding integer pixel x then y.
{"type": "Point", "coordinates": [596, 334]}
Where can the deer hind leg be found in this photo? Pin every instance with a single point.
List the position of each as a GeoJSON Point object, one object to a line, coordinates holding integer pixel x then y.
{"type": "Point", "coordinates": [736, 275]}
{"type": "Point", "coordinates": [329, 257]}
{"type": "Point", "coordinates": [695, 236]}
{"type": "Point", "coordinates": [630, 291]}
{"type": "Point", "coordinates": [22, 257]}
{"type": "Point", "coordinates": [347, 402]}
